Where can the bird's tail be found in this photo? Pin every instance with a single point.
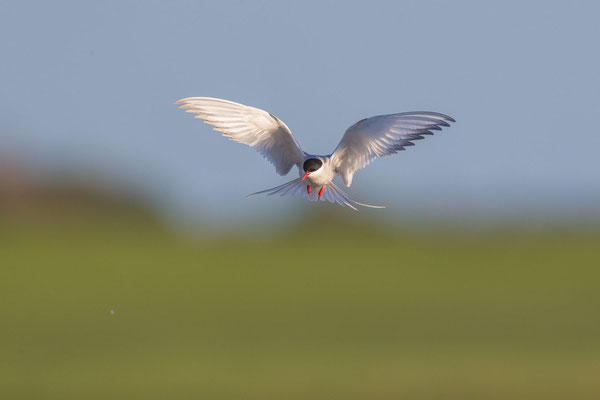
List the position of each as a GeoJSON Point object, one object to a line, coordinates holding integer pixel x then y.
{"type": "Point", "coordinates": [291, 188]}
{"type": "Point", "coordinates": [331, 193]}
{"type": "Point", "coordinates": [343, 197]}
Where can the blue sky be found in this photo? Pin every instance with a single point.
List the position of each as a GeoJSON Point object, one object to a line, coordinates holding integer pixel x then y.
{"type": "Point", "coordinates": [88, 87]}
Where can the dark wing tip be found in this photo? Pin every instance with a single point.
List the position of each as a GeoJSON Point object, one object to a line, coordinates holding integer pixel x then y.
{"type": "Point", "coordinates": [426, 114]}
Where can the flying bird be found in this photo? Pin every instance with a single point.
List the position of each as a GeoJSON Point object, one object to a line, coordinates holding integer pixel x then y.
{"type": "Point", "coordinates": [362, 143]}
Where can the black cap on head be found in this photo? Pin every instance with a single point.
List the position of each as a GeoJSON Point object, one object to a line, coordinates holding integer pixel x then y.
{"type": "Point", "coordinates": [312, 164]}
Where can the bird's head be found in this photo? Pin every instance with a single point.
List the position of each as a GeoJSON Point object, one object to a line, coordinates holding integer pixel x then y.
{"type": "Point", "coordinates": [311, 165]}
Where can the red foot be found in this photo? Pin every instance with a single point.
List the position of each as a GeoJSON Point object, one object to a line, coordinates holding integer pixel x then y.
{"type": "Point", "coordinates": [321, 192]}
{"type": "Point", "coordinates": [308, 189]}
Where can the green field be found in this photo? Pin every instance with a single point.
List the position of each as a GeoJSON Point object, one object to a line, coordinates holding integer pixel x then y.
{"type": "Point", "coordinates": [373, 314]}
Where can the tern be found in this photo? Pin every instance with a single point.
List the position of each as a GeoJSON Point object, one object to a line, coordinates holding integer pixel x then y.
{"type": "Point", "coordinates": [362, 143]}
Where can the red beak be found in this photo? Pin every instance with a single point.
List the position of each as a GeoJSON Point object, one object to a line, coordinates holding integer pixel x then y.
{"type": "Point", "coordinates": [304, 177]}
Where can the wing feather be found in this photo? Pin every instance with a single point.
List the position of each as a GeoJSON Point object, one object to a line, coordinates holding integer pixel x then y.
{"type": "Point", "coordinates": [251, 126]}
{"type": "Point", "coordinates": [383, 135]}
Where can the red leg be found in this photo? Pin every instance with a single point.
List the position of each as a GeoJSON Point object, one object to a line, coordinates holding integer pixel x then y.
{"type": "Point", "coordinates": [308, 189]}
{"type": "Point", "coordinates": [321, 192]}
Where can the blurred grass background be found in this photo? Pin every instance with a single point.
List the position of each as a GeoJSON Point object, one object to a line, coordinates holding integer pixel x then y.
{"type": "Point", "coordinates": [99, 300]}
{"type": "Point", "coordinates": [132, 268]}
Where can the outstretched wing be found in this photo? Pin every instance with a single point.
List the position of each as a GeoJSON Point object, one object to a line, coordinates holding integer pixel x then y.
{"type": "Point", "coordinates": [380, 136]}
{"type": "Point", "coordinates": [249, 125]}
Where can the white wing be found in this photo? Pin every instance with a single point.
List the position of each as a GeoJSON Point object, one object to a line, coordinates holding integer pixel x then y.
{"type": "Point", "coordinates": [380, 136]}
{"type": "Point", "coordinates": [249, 125]}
